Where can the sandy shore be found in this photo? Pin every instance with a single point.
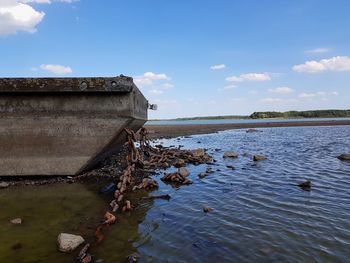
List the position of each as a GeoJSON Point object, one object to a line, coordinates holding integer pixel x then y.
{"type": "Point", "coordinates": [167, 131]}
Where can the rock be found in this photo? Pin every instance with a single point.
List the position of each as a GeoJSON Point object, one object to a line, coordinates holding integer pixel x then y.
{"type": "Point", "coordinates": [198, 152]}
{"type": "Point", "coordinates": [305, 185]}
{"type": "Point", "coordinates": [252, 130]}
{"type": "Point", "coordinates": [68, 242]}
{"type": "Point", "coordinates": [179, 163]}
{"type": "Point", "coordinates": [4, 185]}
{"type": "Point", "coordinates": [183, 172]}
{"type": "Point", "coordinates": [344, 157]}
{"type": "Point", "coordinates": [16, 221]}
{"type": "Point", "coordinates": [259, 158]}
{"type": "Point", "coordinates": [209, 170]}
{"type": "Point", "coordinates": [207, 209]}
{"type": "Point", "coordinates": [203, 175]}
{"type": "Point", "coordinates": [17, 246]}
{"type": "Point", "coordinates": [230, 155]}
{"type": "Point", "coordinates": [133, 258]}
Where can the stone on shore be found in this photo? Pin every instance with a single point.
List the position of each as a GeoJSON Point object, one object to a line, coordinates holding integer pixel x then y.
{"type": "Point", "coordinates": [4, 185]}
{"type": "Point", "coordinates": [68, 242]}
{"type": "Point", "coordinates": [183, 172]}
{"type": "Point", "coordinates": [198, 152]}
{"type": "Point", "coordinates": [230, 154]}
{"type": "Point", "coordinates": [179, 163]}
{"type": "Point", "coordinates": [344, 157]}
{"type": "Point", "coordinates": [16, 221]}
{"type": "Point", "coordinates": [259, 158]}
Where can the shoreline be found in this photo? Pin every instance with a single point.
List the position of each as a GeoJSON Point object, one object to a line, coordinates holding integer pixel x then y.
{"type": "Point", "coordinates": [176, 130]}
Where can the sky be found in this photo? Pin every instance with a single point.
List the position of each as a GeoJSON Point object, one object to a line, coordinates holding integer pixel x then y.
{"type": "Point", "coordinates": [190, 57]}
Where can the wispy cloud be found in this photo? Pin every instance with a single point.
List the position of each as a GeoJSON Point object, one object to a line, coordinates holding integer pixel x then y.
{"type": "Point", "coordinates": [156, 92]}
{"type": "Point", "coordinates": [218, 67]}
{"type": "Point", "coordinates": [318, 94]}
{"type": "Point", "coordinates": [228, 87]}
{"type": "Point", "coordinates": [281, 90]}
{"type": "Point", "coordinates": [56, 69]}
{"type": "Point", "coordinates": [167, 86]}
{"type": "Point", "coordinates": [317, 50]}
{"type": "Point", "coordinates": [339, 63]}
{"type": "Point", "coordinates": [249, 77]}
{"type": "Point", "coordinates": [272, 100]}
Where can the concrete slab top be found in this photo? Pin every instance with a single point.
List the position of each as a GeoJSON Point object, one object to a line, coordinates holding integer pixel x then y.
{"type": "Point", "coordinates": [121, 84]}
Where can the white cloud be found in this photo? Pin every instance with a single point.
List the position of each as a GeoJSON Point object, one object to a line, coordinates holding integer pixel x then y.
{"type": "Point", "coordinates": [317, 94]}
{"type": "Point", "coordinates": [249, 77]}
{"type": "Point", "coordinates": [148, 78]}
{"type": "Point", "coordinates": [218, 67]}
{"type": "Point", "coordinates": [47, 1]}
{"type": "Point", "coordinates": [56, 69]}
{"type": "Point", "coordinates": [228, 87]}
{"type": "Point", "coordinates": [272, 100]}
{"type": "Point", "coordinates": [18, 15]}
{"type": "Point", "coordinates": [281, 90]}
{"type": "Point", "coordinates": [317, 51]}
{"type": "Point", "coordinates": [168, 86]}
{"type": "Point", "coordinates": [339, 63]}
{"type": "Point", "coordinates": [156, 92]}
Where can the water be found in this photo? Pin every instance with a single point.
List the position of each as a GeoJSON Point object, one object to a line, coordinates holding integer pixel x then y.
{"type": "Point", "coordinates": [239, 121]}
{"type": "Point", "coordinates": [260, 215]}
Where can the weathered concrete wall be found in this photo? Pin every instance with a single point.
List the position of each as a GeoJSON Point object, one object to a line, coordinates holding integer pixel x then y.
{"type": "Point", "coordinates": [64, 133]}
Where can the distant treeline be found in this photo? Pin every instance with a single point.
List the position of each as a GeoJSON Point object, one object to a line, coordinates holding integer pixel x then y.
{"type": "Point", "coordinates": [302, 114]}
{"type": "Point", "coordinates": [228, 117]}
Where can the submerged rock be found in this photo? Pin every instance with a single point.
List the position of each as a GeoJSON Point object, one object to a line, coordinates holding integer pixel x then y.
{"type": "Point", "coordinates": [230, 154]}
{"type": "Point", "coordinates": [4, 185]}
{"type": "Point", "coordinates": [344, 157]}
{"type": "Point", "coordinates": [16, 221]}
{"type": "Point", "coordinates": [259, 158]}
{"type": "Point", "coordinates": [305, 185]}
{"type": "Point", "coordinates": [203, 175]}
{"type": "Point", "coordinates": [68, 242]}
{"type": "Point", "coordinates": [252, 130]}
{"type": "Point", "coordinates": [133, 258]}
{"type": "Point", "coordinates": [207, 209]}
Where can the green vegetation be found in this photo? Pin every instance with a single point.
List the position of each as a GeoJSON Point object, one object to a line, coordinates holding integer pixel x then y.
{"type": "Point", "coordinates": [230, 117]}
{"type": "Point", "coordinates": [302, 114]}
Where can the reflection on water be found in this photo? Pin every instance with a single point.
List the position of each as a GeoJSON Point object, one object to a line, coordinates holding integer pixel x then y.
{"type": "Point", "coordinates": [260, 215]}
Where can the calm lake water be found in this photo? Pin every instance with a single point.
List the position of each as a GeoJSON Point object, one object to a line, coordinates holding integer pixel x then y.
{"type": "Point", "coordinates": [260, 215]}
{"type": "Point", "coordinates": [228, 121]}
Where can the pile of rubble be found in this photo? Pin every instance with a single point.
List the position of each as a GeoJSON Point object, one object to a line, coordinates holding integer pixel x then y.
{"type": "Point", "coordinates": [144, 160]}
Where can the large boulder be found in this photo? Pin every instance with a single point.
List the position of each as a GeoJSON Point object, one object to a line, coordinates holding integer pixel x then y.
{"type": "Point", "coordinates": [68, 242]}
{"type": "Point", "coordinates": [344, 157]}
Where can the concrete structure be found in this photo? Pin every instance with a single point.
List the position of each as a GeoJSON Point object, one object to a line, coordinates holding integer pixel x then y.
{"type": "Point", "coordinates": [64, 126]}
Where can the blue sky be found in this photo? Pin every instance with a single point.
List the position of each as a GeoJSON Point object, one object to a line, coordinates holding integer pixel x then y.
{"type": "Point", "coordinates": [191, 57]}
